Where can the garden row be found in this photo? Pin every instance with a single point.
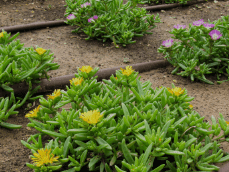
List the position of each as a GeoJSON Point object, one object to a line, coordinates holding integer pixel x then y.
{"type": "Point", "coordinates": [120, 124]}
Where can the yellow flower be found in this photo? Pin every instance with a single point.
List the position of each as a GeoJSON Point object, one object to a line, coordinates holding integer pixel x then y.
{"type": "Point", "coordinates": [177, 91]}
{"type": "Point", "coordinates": [86, 69]}
{"type": "Point", "coordinates": [44, 157]}
{"type": "Point", "coordinates": [159, 139]}
{"type": "Point", "coordinates": [190, 106]}
{"type": "Point", "coordinates": [1, 34]}
{"type": "Point", "coordinates": [33, 113]}
{"type": "Point", "coordinates": [91, 117]}
{"type": "Point", "coordinates": [128, 71]}
{"type": "Point", "coordinates": [40, 51]}
{"type": "Point", "coordinates": [227, 122]}
{"type": "Point", "coordinates": [56, 94]}
{"type": "Point", "coordinates": [76, 81]}
{"type": "Point", "coordinates": [116, 77]}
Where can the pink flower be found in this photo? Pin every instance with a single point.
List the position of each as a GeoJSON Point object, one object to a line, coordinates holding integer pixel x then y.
{"type": "Point", "coordinates": [215, 34]}
{"type": "Point", "coordinates": [71, 16]}
{"type": "Point", "coordinates": [85, 5]}
{"type": "Point", "coordinates": [90, 20]}
{"type": "Point", "coordinates": [178, 26]}
{"type": "Point", "coordinates": [208, 26]}
{"type": "Point", "coordinates": [198, 23]}
{"type": "Point", "coordinates": [168, 43]}
{"type": "Point", "coordinates": [95, 17]}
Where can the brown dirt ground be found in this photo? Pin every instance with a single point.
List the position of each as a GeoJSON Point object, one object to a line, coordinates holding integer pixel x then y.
{"type": "Point", "coordinates": [72, 51]}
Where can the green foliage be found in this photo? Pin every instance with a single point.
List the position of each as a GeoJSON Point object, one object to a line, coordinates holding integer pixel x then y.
{"type": "Point", "coordinates": [161, 1]}
{"type": "Point", "coordinates": [139, 126]}
{"type": "Point", "coordinates": [20, 64]}
{"type": "Point", "coordinates": [110, 19]}
{"type": "Point", "coordinates": [197, 53]}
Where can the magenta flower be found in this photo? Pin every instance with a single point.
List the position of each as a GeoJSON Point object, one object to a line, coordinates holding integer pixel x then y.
{"type": "Point", "coordinates": [198, 23]}
{"type": "Point", "coordinates": [178, 26]}
{"type": "Point", "coordinates": [208, 26]}
{"type": "Point", "coordinates": [71, 16]}
{"type": "Point", "coordinates": [95, 17]}
{"type": "Point", "coordinates": [215, 34]}
{"type": "Point", "coordinates": [85, 5]}
{"type": "Point", "coordinates": [168, 43]}
{"type": "Point", "coordinates": [90, 20]}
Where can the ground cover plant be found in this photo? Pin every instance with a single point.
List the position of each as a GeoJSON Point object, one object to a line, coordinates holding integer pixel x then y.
{"type": "Point", "coordinates": [209, 99]}
{"type": "Point", "coordinates": [106, 19]}
{"type": "Point", "coordinates": [20, 64]}
{"type": "Point", "coordinates": [123, 124]}
{"type": "Point", "coordinates": [154, 2]}
{"type": "Point", "coordinates": [203, 49]}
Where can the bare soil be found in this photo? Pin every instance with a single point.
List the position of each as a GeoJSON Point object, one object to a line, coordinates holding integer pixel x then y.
{"type": "Point", "coordinates": [72, 51]}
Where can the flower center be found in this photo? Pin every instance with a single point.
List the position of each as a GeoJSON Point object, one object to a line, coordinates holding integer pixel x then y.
{"type": "Point", "coordinates": [214, 36]}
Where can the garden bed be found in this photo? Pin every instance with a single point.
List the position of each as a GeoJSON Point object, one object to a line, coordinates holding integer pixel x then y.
{"type": "Point", "coordinates": [72, 51]}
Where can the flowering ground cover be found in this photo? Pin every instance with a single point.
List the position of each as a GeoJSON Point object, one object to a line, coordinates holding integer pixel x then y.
{"type": "Point", "coordinates": [72, 51]}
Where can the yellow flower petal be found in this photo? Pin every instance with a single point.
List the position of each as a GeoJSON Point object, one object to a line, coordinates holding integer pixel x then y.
{"type": "Point", "coordinates": [128, 71]}
{"type": "Point", "coordinates": [227, 122]}
{"type": "Point", "coordinates": [91, 117]}
{"type": "Point", "coordinates": [56, 94]}
{"type": "Point", "coordinates": [176, 91]}
{"type": "Point", "coordinates": [86, 69]}
{"type": "Point", "coordinates": [40, 51]}
{"type": "Point", "coordinates": [1, 34]}
{"type": "Point", "coordinates": [76, 81]}
{"type": "Point", "coordinates": [33, 113]}
{"type": "Point", "coordinates": [44, 157]}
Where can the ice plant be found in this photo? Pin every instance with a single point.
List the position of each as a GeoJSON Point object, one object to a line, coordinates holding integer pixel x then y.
{"type": "Point", "coordinates": [178, 26]}
{"type": "Point", "coordinates": [32, 113]}
{"type": "Point", "coordinates": [85, 5]}
{"type": "Point", "coordinates": [71, 16]}
{"type": "Point", "coordinates": [76, 81]}
{"type": "Point", "coordinates": [227, 122]}
{"type": "Point", "coordinates": [190, 106]}
{"type": "Point", "coordinates": [198, 23]}
{"type": "Point", "coordinates": [44, 157]}
{"type": "Point", "coordinates": [167, 43]}
{"type": "Point", "coordinates": [86, 69]}
{"type": "Point", "coordinates": [95, 17]}
{"type": "Point", "coordinates": [208, 26]}
{"type": "Point", "coordinates": [1, 34]}
{"type": "Point", "coordinates": [92, 19]}
{"type": "Point", "coordinates": [40, 51]}
{"type": "Point", "coordinates": [91, 117]}
{"type": "Point", "coordinates": [56, 94]}
{"type": "Point", "coordinates": [128, 71]}
{"type": "Point", "coordinates": [176, 91]}
{"type": "Point", "coordinates": [215, 34]}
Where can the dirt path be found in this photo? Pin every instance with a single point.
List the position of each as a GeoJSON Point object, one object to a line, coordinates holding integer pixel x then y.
{"type": "Point", "coordinates": [72, 51]}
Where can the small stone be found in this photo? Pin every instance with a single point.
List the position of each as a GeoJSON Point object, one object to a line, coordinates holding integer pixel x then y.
{"type": "Point", "coordinates": [31, 15]}
{"type": "Point", "coordinates": [163, 11]}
